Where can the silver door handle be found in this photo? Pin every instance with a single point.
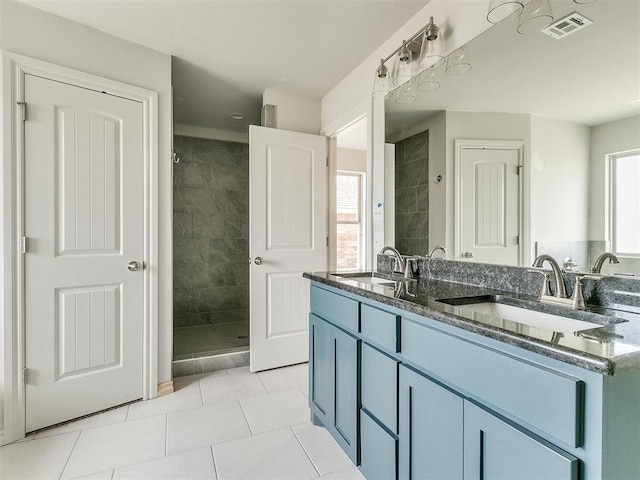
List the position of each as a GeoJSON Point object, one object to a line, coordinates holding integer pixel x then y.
{"type": "Point", "coordinates": [467, 255]}
{"type": "Point", "coordinates": [134, 266]}
{"type": "Point", "coordinates": [257, 260]}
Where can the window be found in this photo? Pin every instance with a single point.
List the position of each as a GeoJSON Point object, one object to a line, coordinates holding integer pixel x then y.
{"type": "Point", "coordinates": [349, 220]}
{"type": "Point", "coordinates": [625, 203]}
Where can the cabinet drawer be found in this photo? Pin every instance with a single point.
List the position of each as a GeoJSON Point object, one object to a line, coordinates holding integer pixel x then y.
{"type": "Point", "coordinates": [380, 327]}
{"type": "Point", "coordinates": [378, 450]}
{"type": "Point", "coordinates": [380, 386]}
{"type": "Point", "coordinates": [545, 399]}
{"type": "Point", "coordinates": [341, 311]}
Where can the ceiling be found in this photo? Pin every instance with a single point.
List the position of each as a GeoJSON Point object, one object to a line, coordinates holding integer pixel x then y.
{"type": "Point", "coordinates": [227, 52]}
{"type": "Point", "coordinates": [589, 77]}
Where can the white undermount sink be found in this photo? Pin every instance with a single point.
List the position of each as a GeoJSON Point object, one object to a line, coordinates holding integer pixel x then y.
{"type": "Point", "coordinates": [546, 321]}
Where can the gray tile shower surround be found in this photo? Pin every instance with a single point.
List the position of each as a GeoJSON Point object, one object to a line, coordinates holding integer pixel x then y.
{"type": "Point", "coordinates": [210, 235]}
{"type": "Point", "coordinates": [613, 301]}
{"type": "Point", "coordinates": [412, 194]}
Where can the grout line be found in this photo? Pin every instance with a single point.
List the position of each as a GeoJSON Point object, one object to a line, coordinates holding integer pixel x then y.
{"type": "Point", "coordinates": [166, 434]}
{"type": "Point", "coordinates": [201, 393]}
{"type": "Point", "coordinates": [213, 457]}
{"type": "Point", "coordinates": [70, 453]}
{"type": "Point", "coordinates": [305, 451]}
{"type": "Point", "coordinates": [245, 416]}
{"type": "Point", "coordinates": [263, 384]}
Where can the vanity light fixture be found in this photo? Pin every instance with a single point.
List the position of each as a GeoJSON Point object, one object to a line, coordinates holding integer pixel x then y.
{"type": "Point", "coordinates": [421, 51]}
{"type": "Point", "coordinates": [382, 81]}
{"type": "Point", "coordinates": [580, 2]}
{"type": "Point", "coordinates": [457, 63]}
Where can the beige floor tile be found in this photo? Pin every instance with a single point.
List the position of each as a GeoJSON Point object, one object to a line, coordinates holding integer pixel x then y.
{"type": "Point", "coordinates": [223, 387]}
{"type": "Point", "coordinates": [286, 378]}
{"type": "Point", "coordinates": [273, 455]}
{"type": "Point", "coordinates": [273, 411]}
{"type": "Point", "coordinates": [107, 418]}
{"type": "Point", "coordinates": [186, 395]}
{"type": "Point", "coordinates": [36, 459]}
{"type": "Point", "coordinates": [192, 465]}
{"type": "Point", "coordinates": [103, 448]}
{"type": "Point", "coordinates": [203, 426]}
{"type": "Point", "coordinates": [323, 451]}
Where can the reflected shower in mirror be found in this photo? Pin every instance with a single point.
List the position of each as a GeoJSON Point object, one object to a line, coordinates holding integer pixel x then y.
{"type": "Point", "coordinates": [531, 151]}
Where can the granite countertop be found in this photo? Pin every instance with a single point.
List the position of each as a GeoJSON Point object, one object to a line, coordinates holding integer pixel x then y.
{"type": "Point", "coordinates": [607, 350]}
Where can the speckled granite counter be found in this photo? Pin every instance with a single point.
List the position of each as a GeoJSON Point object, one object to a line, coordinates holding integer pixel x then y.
{"type": "Point", "coordinates": [606, 350]}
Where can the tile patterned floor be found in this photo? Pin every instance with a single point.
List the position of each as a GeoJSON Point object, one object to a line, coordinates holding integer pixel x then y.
{"type": "Point", "coordinates": [225, 425]}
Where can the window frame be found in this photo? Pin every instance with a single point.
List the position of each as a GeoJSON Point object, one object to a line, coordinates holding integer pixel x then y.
{"type": "Point", "coordinates": [611, 198]}
{"type": "Point", "coordinates": [361, 176]}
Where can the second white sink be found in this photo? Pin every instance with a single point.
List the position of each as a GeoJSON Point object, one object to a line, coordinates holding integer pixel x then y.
{"type": "Point", "coordinates": [546, 321]}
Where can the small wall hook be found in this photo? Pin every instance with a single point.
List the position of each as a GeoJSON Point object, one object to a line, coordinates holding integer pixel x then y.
{"type": "Point", "coordinates": [438, 179]}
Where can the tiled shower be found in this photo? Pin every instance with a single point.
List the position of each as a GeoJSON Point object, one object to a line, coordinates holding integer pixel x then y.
{"type": "Point", "coordinates": [412, 194]}
{"type": "Point", "coordinates": [210, 248]}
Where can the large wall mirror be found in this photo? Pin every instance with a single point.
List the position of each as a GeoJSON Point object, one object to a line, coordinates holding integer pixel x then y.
{"type": "Point", "coordinates": [535, 149]}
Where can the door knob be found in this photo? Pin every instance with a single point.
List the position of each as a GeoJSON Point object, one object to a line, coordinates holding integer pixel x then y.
{"type": "Point", "coordinates": [257, 260]}
{"type": "Point", "coordinates": [467, 255]}
{"type": "Point", "coordinates": [133, 266]}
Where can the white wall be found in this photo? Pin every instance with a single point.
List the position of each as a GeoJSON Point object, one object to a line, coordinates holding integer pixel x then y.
{"type": "Point", "coordinates": [294, 112]}
{"type": "Point", "coordinates": [352, 160]}
{"type": "Point", "coordinates": [37, 34]}
{"type": "Point", "coordinates": [559, 178]}
{"type": "Point", "coordinates": [614, 137]}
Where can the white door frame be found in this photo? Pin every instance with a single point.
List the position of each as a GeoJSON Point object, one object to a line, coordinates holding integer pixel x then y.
{"type": "Point", "coordinates": [12, 295]}
{"type": "Point", "coordinates": [523, 223]}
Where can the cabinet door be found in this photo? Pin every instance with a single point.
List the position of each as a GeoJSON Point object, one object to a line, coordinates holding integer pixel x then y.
{"type": "Point", "coordinates": [494, 449]}
{"type": "Point", "coordinates": [431, 429]}
{"type": "Point", "coordinates": [320, 370]}
{"type": "Point", "coordinates": [345, 388]}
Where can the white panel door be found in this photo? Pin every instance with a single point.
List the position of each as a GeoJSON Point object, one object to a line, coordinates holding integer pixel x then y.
{"type": "Point", "coordinates": [84, 224]}
{"type": "Point", "coordinates": [288, 235]}
{"type": "Point", "coordinates": [490, 205]}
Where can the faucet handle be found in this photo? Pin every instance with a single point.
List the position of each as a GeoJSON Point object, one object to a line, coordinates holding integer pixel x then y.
{"type": "Point", "coordinates": [578, 298]}
{"type": "Point", "coordinates": [546, 288]}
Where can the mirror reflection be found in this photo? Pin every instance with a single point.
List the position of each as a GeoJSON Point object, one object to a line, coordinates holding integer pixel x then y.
{"type": "Point", "coordinates": [534, 149]}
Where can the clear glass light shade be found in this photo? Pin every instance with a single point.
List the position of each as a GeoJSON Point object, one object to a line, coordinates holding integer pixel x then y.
{"type": "Point", "coordinates": [457, 63]}
{"type": "Point", "coordinates": [583, 1]}
{"type": "Point", "coordinates": [403, 66]}
{"type": "Point", "coordinates": [406, 93]}
{"type": "Point", "coordinates": [427, 82]}
{"type": "Point", "coordinates": [535, 17]}
{"type": "Point", "coordinates": [431, 47]}
{"type": "Point", "coordinates": [382, 81]}
{"type": "Point", "coordinates": [501, 11]}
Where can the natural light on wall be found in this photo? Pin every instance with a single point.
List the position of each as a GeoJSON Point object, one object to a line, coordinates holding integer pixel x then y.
{"type": "Point", "coordinates": [349, 220]}
{"type": "Point", "coordinates": [625, 196]}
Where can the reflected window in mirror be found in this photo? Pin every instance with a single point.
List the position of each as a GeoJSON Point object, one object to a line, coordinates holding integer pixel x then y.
{"type": "Point", "coordinates": [349, 201]}
{"type": "Point", "coordinates": [625, 203]}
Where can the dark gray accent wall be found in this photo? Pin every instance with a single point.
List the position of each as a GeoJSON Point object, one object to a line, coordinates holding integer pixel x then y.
{"type": "Point", "coordinates": [412, 195]}
{"type": "Point", "coordinates": [210, 232]}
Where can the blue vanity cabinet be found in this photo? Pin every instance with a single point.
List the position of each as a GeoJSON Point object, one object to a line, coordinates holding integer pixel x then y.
{"type": "Point", "coordinates": [431, 429]}
{"type": "Point", "coordinates": [333, 379]}
{"type": "Point", "coordinates": [496, 449]}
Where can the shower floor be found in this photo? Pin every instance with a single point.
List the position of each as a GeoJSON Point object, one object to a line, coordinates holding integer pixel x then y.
{"type": "Point", "coordinates": [207, 340]}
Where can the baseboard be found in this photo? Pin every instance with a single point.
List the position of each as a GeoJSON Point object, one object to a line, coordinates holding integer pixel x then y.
{"type": "Point", "coordinates": [165, 388]}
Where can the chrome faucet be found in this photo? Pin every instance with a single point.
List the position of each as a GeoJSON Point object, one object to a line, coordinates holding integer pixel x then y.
{"type": "Point", "coordinates": [561, 291]}
{"type": "Point", "coordinates": [399, 266]}
{"type": "Point", "coordinates": [435, 249]}
{"type": "Point", "coordinates": [600, 260]}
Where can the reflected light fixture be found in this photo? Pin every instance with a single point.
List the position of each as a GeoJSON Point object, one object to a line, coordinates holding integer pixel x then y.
{"type": "Point", "coordinates": [427, 82]}
{"type": "Point", "coordinates": [502, 11]}
{"type": "Point", "coordinates": [406, 92]}
{"type": "Point", "coordinates": [457, 63]}
{"type": "Point", "coordinates": [536, 16]}
{"type": "Point", "coordinates": [583, 1]}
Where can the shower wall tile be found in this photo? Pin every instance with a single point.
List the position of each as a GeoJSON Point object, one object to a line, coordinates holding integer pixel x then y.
{"type": "Point", "coordinates": [210, 230]}
{"type": "Point", "coordinates": [412, 194]}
